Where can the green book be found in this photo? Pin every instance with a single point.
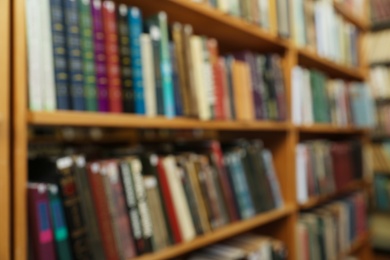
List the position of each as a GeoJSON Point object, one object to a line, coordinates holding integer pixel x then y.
{"type": "Point", "coordinates": [60, 229]}
{"type": "Point", "coordinates": [87, 50]}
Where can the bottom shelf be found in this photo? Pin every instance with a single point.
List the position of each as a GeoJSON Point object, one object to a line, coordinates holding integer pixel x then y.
{"type": "Point", "coordinates": [220, 234]}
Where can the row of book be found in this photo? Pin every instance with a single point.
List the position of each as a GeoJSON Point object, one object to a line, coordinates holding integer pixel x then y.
{"type": "Point", "coordinates": [375, 47]}
{"type": "Point", "coordinates": [144, 202]}
{"type": "Point", "coordinates": [329, 231]}
{"type": "Point", "coordinates": [248, 246]}
{"type": "Point", "coordinates": [380, 82]}
{"type": "Point", "coordinates": [382, 192]}
{"type": "Point", "coordinates": [380, 11]}
{"type": "Point", "coordinates": [256, 12]}
{"type": "Point", "coordinates": [323, 167]}
{"type": "Point", "coordinates": [380, 153]}
{"type": "Point", "coordinates": [99, 56]}
{"type": "Point", "coordinates": [319, 99]}
{"type": "Point", "coordinates": [317, 26]}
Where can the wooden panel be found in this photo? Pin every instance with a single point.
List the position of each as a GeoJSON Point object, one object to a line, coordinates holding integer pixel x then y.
{"type": "Point", "coordinates": [19, 96]}
{"type": "Point", "coordinates": [71, 118]}
{"type": "Point", "coordinates": [311, 60]}
{"type": "Point", "coordinates": [5, 184]}
{"type": "Point", "coordinates": [220, 234]}
{"type": "Point", "coordinates": [230, 31]}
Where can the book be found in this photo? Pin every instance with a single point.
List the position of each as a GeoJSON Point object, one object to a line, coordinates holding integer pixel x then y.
{"type": "Point", "coordinates": [100, 56]}
{"type": "Point", "coordinates": [175, 80]}
{"type": "Point", "coordinates": [148, 75]}
{"type": "Point", "coordinates": [242, 93]}
{"type": "Point", "coordinates": [112, 56]}
{"type": "Point", "coordinates": [87, 54]}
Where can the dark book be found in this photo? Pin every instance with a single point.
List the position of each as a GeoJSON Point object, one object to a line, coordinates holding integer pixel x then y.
{"type": "Point", "coordinates": [175, 79]}
{"type": "Point", "coordinates": [279, 87]}
{"type": "Point", "coordinates": [357, 158]}
{"type": "Point", "coordinates": [40, 226]}
{"type": "Point", "coordinates": [269, 80]}
{"type": "Point", "coordinates": [75, 62]}
{"type": "Point", "coordinates": [71, 202]}
{"type": "Point", "coordinates": [229, 81]}
{"type": "Point", "coordinates": [342, 164]}
{"type": "Point", "coordinates": [125, 60]}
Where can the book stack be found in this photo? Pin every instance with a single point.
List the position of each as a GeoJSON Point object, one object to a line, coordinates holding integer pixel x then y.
{"type": "Point", "coordinates": [248, 246]}
{"type": "Point", "coordinates": [120, 208]}
{"type": "Point", "coordinates": [91, 55]}
{"type": "Point", "coordinates": [319, 99]}
{"type": "Point", "coordinates": [380, 11]}
{"type": "Point", "coordinates": [382, 192]}
{"type": "Point", "coordinates": [357, 8]}
{"type": "Point", "coordinates": [256, 12]}
{"type": "Point", "coordinates": [323, 167]}
{"type": "Point", "coordinates": [381, 156]}
{"type": "Point", "coordinates": [317, 26]}
{"type": "Point", "coordinates": [375, 43]}
{"type": "Point", "coordinates": [328, 232]}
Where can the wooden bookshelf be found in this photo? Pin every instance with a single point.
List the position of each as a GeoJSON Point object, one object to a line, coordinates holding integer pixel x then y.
{"type": "Point", "coordinates": [360, 22]}
{"type": "Point", "coordinates": [221, 234]}
{"type": "Point", "coordinates": [319, 200]}
{"type": "Point", "coordinates": [5, 177]}
{"type": "Point", "coordinates": [232, 34]}
{"type": "Point", "coordinates": [356, 246]}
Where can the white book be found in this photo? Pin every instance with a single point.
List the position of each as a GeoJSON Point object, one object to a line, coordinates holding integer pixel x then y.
{"type": "Point", "coordinates": [307, 98]}
{"type": "Point", "coordinates": [181, 208]}
{"type": "Point", "coordinates": [301, 175]}
{"type": "Point", "coordinates": [264, 13]}
{"type": "Point", "coordinates": [34, 54]}
{"type": "Point", "coordinates": [297, 92]}
{"type": "Point", "coordinates": [148, 75]}
{"type": "Point", "coordinates": [223, 5]}
{"type": "Point", "coordinates": [199, 77]}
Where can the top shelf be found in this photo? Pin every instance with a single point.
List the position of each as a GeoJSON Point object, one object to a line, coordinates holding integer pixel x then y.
{"type": "Point", "coordinates": [357, 21]}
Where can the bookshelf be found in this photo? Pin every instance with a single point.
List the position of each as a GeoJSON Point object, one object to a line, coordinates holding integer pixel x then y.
{"type": "Point", "coordinates": [5, 177]}
{"type": "Point", "coordinates": [280, 137]}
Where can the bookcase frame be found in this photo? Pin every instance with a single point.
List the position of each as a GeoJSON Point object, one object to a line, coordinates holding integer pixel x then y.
{"type": "Point", "coordinates": [5, 182]}
{"type": "Point", "coordinates": [283, 135]}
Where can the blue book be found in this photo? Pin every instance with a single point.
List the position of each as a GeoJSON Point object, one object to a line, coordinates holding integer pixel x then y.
{"type": "Point", "coordinates": [59, 55]}
{"type": "Point", "coordinates": [135, 28]}
{"type": "Point", "coordinates": [160, 21]}
{"type": "Point", "coordinates": [75, 63]}
{"type": "Point", "coordinates": [240, 185]}
{"type": "Point", "coordinates": [176, 83]}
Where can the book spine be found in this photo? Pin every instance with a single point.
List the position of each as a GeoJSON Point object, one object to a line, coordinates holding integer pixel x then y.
{"type": "Point", "coordinates": [166, 67]}
{"type": "Point", "coordinates": [49, 95]}
{"type": "Point", "coordinates": [39, 222]}
{"type": "Point", "coordinates": [146, 223]}
{"type": "Point", "coordinates": [230, 86]}
{"type": "Point", "coordinates": [88, 210]}
{"type": "Point", "coordinates": [154, 31]}
{"type": "Point", "coordinates": [148, 75]}
{"type": "Point", "coordinates": [34, 36]}
{"type": "Point", "coordinates": [135, 27]}
{"type": "Point", "coordinates": [59, 224]}
{"type": "Point", "coordinates": [73, 43]}
{"type": "Point", "coordinates": [100, 56]}
{"type": "Point", "coordinates": [125, 60]}
{"type": "Point", "coordinates": [59, 56]}
{"type": "Point", "coordinates": [121, 220]}
{"type": "Point", "coordinates": [175, 80]}
{"type": "Point", "coordinates": [87, 54]}
{"type": "Point", "coordinates": [112, 56]}
{"type": "Point", "coordinates": [131, 201]}
{"type": "Point", "coordinates": [208, 79]}
{"type": "Point", "coordinates": [102, 211]}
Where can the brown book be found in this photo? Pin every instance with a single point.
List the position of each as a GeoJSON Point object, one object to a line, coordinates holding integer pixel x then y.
{"type": "Point", "coordinates": [342, 164]}
{"type": "Point", "coordinates": [242, 93]}
{"type": "Point", "coordinates": [71, 202]}
{"type": "Point", "coordinates": [255, 12]}
{"type": "Point", "coordinates": [117, 205]}
{"type": "Point", "coordinates": [177, 35]}
{"type": "Point", "coordinates": [102, 210]}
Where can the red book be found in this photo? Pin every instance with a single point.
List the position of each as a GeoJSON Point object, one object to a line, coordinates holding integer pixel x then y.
{"type": "Point", "coordinates": [217, 158]}
{"type": "Point", "coordinates": [212, 46]}
{"type": "Point", "coordinates": [342, 164]}
{"type": "Point", "coordinates": [41, 233]}
{"type": "Point", "coordinates": [112, 56]}
{"type": "Point", "coordinates": [167, 198]}
{"type": "Point", "coordinates": [102, 211]}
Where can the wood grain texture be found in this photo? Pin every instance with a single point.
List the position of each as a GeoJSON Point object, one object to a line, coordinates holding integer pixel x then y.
{"type": "Point", "coordinates": [5, 183]}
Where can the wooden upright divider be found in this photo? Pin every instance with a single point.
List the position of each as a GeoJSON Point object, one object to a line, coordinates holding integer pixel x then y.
{"type": "Point", "coordinates": [5, 86]}
{"type": "Point", "coordinates": [280, 137]}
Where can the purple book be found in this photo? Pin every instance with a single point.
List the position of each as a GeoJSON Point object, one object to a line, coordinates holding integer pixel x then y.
{"type": "Point", "coordinates": [249, 58]}
{"type": "Point", "coordinates": [100, 56]}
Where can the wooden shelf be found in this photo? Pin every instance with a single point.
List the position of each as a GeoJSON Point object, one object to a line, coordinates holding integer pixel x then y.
{"type": "Point", "coordinates": [330, 129]}
{"type": "Point", "coordinates": [358, 244]}
{"type": "Point", "coordinates": [89, 119]}
{"type": "Point", "coordinates": [312, 60]}
{"type": "Point", "coordinates": [214, 23]}
{"type": "Point", "coordinates": [319, 200]}
{"type": "Point", "coordinates": [357, 21]}
{"type": "Point", "coordinates": [219, 234]}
